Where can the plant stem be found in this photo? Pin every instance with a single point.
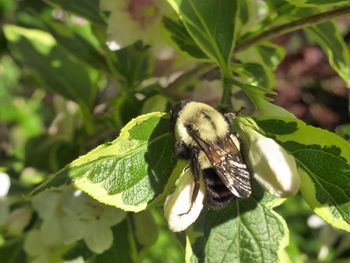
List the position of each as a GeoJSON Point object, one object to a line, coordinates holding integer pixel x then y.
{"type": "Point", "coordinates": [226, 96]}
{"type": "Point", "coordinates": [268, 34]}
{"type": "Point", "coordinates": [292, 26]}
{"type": "Point", "coordinates": [87, 119]}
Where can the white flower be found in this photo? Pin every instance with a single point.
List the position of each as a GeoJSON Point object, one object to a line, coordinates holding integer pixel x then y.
{"type": "Point", "coordinates": [132, 20]}
{"type": "Point", "coordinates": [72, 215]}
{"type": "Point", "coordinates": [314, 221]}
{"type": "Point", "coordinates": [48, 206]}
{"type": "Point", "coordinates": [36, 247]}
{"type": "Point", "coordinates": [4, 189]}
{"type": "Point", "coordinates": [4, 184]}
{"type": "Point", "coordinates": [272, 166]}
{"type": "Point", "coordinates": [179, 210]}
{"type": "Point", "coordinates": [85, 218]}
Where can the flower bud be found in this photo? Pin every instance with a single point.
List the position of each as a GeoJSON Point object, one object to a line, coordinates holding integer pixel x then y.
{"type": "Point", "coordinates": [179, 208]}
{"type": "Point", "coordinates": [4, 184]}
{"type": "Point", "coordinates": [146, 229]}
{"type": "Point", "coordinates": [272, 166]}
{"type": "Point", "coordinates": [17, 220]}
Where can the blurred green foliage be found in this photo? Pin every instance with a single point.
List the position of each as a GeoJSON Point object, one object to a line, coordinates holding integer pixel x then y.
{"type": "Point", "coordinates": [63, 92]}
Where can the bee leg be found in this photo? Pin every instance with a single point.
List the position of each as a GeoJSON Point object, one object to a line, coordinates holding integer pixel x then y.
{"type": "Point", "coordinates": [196, 170]}
{"type": "Point", "coordinates": [196, 173]}
{"type": "Point", "coordinates": [182, 150]}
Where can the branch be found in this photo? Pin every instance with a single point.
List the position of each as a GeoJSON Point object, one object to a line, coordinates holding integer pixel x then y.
{"type": "Point", "coordinates": [292, 26]}
{"type": "Point", "coordinates": [268, 34]}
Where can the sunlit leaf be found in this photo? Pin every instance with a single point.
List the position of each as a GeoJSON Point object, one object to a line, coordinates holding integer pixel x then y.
{"type": "Point", "coordinates": [130, 171]}
{"type": "Point", "coordinates": [85, 8]}
{"type": "Point", "coordinates": [53, 67]}
{"type": "Point", "coordinates": [332, 42]}
{"type": "Point", "coordinates": [212, 26]}
{"type": "Point", "coordinates": [317, 3]}
{"type": "Point", "coordinates": [323, 160]}
{"type": "Point", "coordinates": [182, 38]}
{"type": "Point", "coordinates": [247, 231]}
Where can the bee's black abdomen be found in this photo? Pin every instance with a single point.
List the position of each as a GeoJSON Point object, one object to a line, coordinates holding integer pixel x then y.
{"type": "Point", "coordinates": [218, 195]}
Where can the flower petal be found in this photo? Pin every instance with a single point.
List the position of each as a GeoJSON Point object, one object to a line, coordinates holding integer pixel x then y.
{"type": "Point", "coordinates": [33, 244]}
{"type": "Point", "coordinates": [99, 237]}
{"type": "Point", "coordinates": [46, 204]}
{"type": "Point", "coordinates": [112, 216]}
{"type": "Point", "coordinates": [73, 229]}
{"type": "Point", "coordinates": [273, 167]}
{"type": "Point", "coordinates": [179, 209]}
{"type": "Point", "coordinates": [51, 232]}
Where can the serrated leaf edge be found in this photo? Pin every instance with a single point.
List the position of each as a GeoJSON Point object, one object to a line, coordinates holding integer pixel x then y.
{"type": "Point", "coordinates": [96, 191]}
{"type": "Point", "coordinates": [308, 191]}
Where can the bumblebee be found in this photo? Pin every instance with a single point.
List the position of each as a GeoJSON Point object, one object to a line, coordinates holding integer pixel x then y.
{"type": "Point", "coordinates": [204, 138]}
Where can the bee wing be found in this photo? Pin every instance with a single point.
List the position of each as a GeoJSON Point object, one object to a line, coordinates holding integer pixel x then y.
{"type": "Point", "coordinates": [228, 163]}
{"type": "Point", "coordinates": [236, 162]}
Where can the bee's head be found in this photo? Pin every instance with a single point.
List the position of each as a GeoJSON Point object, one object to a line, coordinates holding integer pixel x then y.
{"type": "Point", "coordinates": [175, 111]}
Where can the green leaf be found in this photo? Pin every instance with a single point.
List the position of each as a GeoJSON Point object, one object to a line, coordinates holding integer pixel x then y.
{"type": "Point", "coordinates": [256, 75]}
{"type": "Point", "coordinates": [182, 38]}
{"type": "Point", "coordinates": [267, 108]}
{"type": "Point", "coordinates": [77, 253]}
{"type": "Point", "coordinates": [247, 231]}
{"type": "Point", "coordinates": [317, 3]}
{"type": "Point", "coordinates": [267, 54]}
{"type": "Point", "coordinates": [271, 54]}
{"type": "Point", "coordinates": [85, 8]}
{"type": "Point", "coordinates": [133, 63]}
{"type": "Point", "coordinates": [323, 160]}
{"type": "Point", "coordinates": [57, 151]}
{"type": "Point", "coordinates": [212, 25]}
{"type": "Point", "coordinates": [255, 93]}
{"type": "Point", "coordinates": [9, 78]}
{"type": "Point", "coordinates": [278, 9]}
{"type": "Point", "coordinates": [167, 247]}
{"type": "Point", "coordinates": [244, 11]}
{"type": "Point", "coordinates": [127, 106]}
{"type": "Point", "coordinates": [292, 253]}
{"type": "Point", "coordinates": [330, 39]}
{"type": "Point", "coordinates": [12, 252]}
{"type": "Point", "coordinates": [130, 171]}
{"type": "Point", "coordinates": [25, 114]}
{"type": "Point", "coordinates": [60, 73]}
{"type": "Point", "coordinates": [259, 63]}
{"type": "Point", "coordinates": [77, 45]}
{"type": "Point", "coordinates": [251, 14]}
